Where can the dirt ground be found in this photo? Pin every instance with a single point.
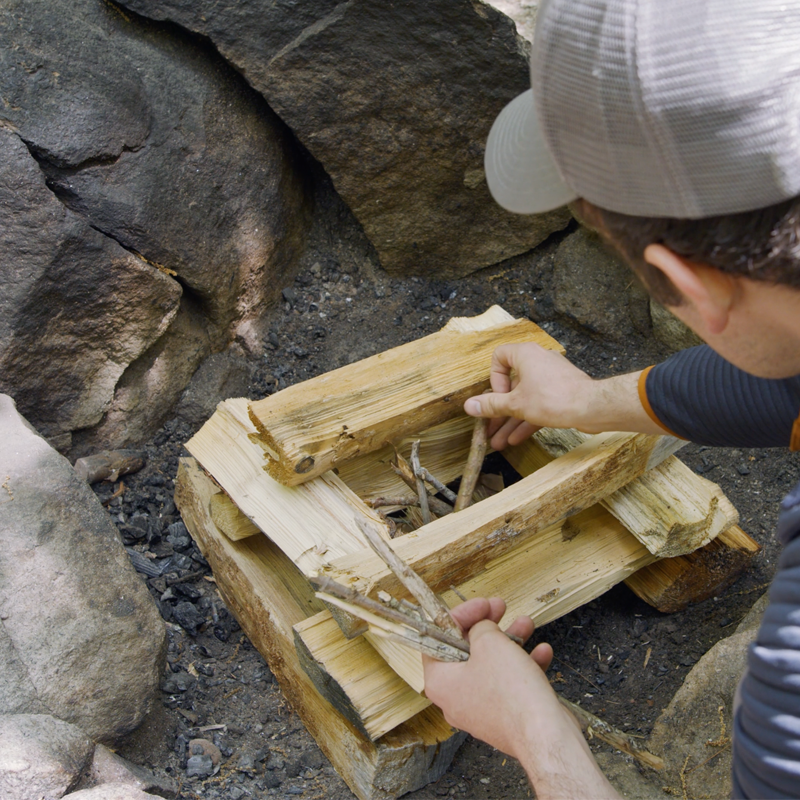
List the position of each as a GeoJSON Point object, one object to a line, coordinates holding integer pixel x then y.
{"type": "Point", "coordinates": [341, 308]}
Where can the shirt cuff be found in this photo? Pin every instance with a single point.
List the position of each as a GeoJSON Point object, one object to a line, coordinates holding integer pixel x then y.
{"type": "Point", "coordinates": [649, 409]}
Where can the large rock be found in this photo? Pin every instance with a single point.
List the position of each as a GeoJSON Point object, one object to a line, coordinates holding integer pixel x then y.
{"type": "Point", "coordinates": [40, 757]}
{"type": "Point", "coordinates": [75, 308]}
{"type": "Point", "coordinates": [596, 289]}
{"type": "Point", "coordinates": [395, 100]}
{"type": "Point", "coordinates": [150, 138]}
{"type": "Point", "coordinates": [87, 640]}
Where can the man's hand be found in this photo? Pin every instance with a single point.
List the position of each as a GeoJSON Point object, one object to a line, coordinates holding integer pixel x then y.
{"type": "Point", "coordinates": [482, 695]}
{"type": "Point", "coordinates": [501, 695]}
{"type": "Point", "coordinates": [534, 388]}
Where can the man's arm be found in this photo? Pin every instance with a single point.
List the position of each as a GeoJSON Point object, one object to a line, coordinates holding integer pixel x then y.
{"type": "Point", "coordinates": [694, 394]}
{"type": "Point", "coordinates": [501, 695]}
{"type": "Point", "coordinates": [534, 388]}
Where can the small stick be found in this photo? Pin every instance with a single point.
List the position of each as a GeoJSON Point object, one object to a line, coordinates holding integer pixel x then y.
{"type": "Point", "coordinates": [355, 600]}
{"type": "Point", "coordinates": [109, 465]}
{"type": "Point", "coordinates": [437, 484]}
{"type": "Point", "coordinates": [430, 647]}
{"type": "Point", "coordinates": [404, 471]}
{"type": "Point", "coordinates": [421, 490]}
{"type": "Point", "coordinates": [434, 607]}
{"type": "Point", "coordinates": [403, 501]}
{"type": "Point", "coordinates": [458, 594]}
{"type": "Point", "coordinates": [403, 606]}
{"type": "Point", "coordinates": [472, 470]}
{"type": "Point", "coordinates": [594, 726]}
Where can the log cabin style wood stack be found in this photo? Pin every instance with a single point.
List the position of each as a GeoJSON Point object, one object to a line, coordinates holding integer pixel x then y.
{"type": "Point", "coordinates": [279, 491]}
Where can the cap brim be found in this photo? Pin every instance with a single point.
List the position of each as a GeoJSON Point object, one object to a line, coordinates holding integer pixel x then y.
{"type": "Point", "coordinates": [520, 171]}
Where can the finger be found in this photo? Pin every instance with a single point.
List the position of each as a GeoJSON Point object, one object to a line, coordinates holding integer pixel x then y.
{"type": "Point", "coordinates": [489, 405]}
{"type": "Point", "coordinates": [524, 430]}
{"type": "Point", "coordinates": [502, 366]}
{"type": "Point", "coordinates": [502, 436]}
{"type": "Point", "coordinates": [472, 611]}
{"type": "Point", "coordinates": [542, 654]}
{"type": "Point", "coordinates": [494, 425]}
{"type": "Point", "coordinates": [497, 608]}
{"type": "Point", "coordinates": [521, 627]}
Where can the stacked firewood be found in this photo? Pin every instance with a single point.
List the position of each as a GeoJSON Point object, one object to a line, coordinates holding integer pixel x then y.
{"type": "Point", "coordinates": [304, 487]}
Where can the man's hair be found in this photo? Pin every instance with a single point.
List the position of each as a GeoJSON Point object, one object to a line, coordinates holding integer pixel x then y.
{"type": "Point", "coordinates": [763, 245]}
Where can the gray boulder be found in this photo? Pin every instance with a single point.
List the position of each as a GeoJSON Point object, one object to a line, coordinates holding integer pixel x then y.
{"type": "Point", "coordinates": [76, 309]}
{"type": "Point", "coordinates": [41, 757]}
{"type": "Point", "coordinates": [223, 375]}
{"type": "Point", "coordinates": [395, 100]}
{"type": "Point", "coordinates": [165, 151]}
{"type": "Point", "coordinates": [82, 639]}
{"type": "Point", "coordinates": [595, 288]}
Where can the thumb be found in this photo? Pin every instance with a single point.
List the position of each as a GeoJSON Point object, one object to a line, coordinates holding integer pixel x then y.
{"type": "Point", "coordinates": [488, 405]}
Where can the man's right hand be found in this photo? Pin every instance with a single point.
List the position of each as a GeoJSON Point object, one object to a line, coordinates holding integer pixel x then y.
{"type": "Point", "coordinates": [534, 388]}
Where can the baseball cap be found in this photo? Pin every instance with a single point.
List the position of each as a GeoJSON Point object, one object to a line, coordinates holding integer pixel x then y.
{"type": "Point", "coordinates": [662, 108]}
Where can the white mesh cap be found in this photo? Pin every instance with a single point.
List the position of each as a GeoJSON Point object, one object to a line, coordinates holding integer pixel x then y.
{"type": "Point", "coordinates": [663, 108]}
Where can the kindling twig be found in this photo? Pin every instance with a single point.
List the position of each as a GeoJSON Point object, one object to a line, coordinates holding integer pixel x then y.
{"type": "Point", "coordinates": [404, 500]}
{"type": "Point", "coordinates": [594, 726]}
{"type": "Point", "coordinates": [433, 605]}
{"type": "Point", "coordinates": [421, 490]}
{"type": "Point", "coordinates": [331, 590]}
{"type": "Point", "coordinates": [472, 471]}
{"type": "Point", "coordinates": [437, 484]}
{"type": "Point", "coordinates": [403, 469]}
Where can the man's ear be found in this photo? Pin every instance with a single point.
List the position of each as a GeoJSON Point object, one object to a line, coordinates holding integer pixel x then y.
{"type": "Point", "coordinates": [711, 293]}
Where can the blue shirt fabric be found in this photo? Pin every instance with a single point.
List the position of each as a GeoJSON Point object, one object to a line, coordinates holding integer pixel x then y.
{"type": "Point", "coordinates": [703, 398]}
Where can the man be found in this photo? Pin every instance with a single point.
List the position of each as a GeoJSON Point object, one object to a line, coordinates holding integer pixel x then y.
{"type": "Point", "coordinates": [674, 127]}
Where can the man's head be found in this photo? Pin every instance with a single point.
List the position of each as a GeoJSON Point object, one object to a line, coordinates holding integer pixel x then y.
{"type": "Point", "coordinates": [675, 129]}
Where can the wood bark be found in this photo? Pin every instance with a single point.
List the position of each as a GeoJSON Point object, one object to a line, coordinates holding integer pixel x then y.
{"type": "Point", "coordinates": [109, 465]}
{"type": "Point", "coordinates": [671, 584]}
{"type": "Point", "coordinates": [311, 427]}
{"type": "Point", "coordinates": [268, 596]}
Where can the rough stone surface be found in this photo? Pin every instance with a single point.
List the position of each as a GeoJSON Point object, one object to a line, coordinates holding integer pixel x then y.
{"type": "Point", "coordinates": [223, 375]}
{"type": "Point", "coordinates": [592, 286]}
{"type": "Point", "coordinates": [113, 791]}
{"type": "Point", "coordinates": [75, 308]}
{"type": "Point", "coordinates": [150, 138]}
{"type": "Point", "coordinates": [87, 639]}
{"type": "Point", "coordinates": [108, 767]}
{"type": "Point", "coordinates": [395, 101]}
{"type": "Point", "coordinates": [148, 390]}
{"type": "Point", "coordinates": [628, 778]}
{"type": "Point", "coordinates": [670, 331]}
{"type": "Point", "coordinates": [697, 723]}
{"type": "Point", "coordinates": [41, 756]}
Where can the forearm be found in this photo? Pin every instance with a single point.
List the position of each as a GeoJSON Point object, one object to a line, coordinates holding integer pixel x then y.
{"type": "Point", "coordinates": [559, 764]}
{"type": "Point", "coordinates": [612, 404]}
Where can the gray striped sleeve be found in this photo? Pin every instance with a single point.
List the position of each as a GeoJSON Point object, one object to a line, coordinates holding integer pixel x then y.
{"type": "Point", "coordinates": [703, 398]}
{"type": "Point", "coordinates": [766, 736]}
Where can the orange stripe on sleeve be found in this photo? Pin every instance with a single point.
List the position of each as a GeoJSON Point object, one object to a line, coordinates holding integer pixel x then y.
{"type": "Point", "coordinates": [652, 414]}
{"type": "Point", "coordinates": [794, 442]}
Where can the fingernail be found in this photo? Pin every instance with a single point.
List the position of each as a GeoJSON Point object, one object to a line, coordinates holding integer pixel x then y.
{"type": "Point", "coordinates": [473, 406]}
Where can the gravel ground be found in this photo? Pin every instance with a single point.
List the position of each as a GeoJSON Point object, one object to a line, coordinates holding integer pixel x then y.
{"type": "Point", "coordinates": [340, 308]}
